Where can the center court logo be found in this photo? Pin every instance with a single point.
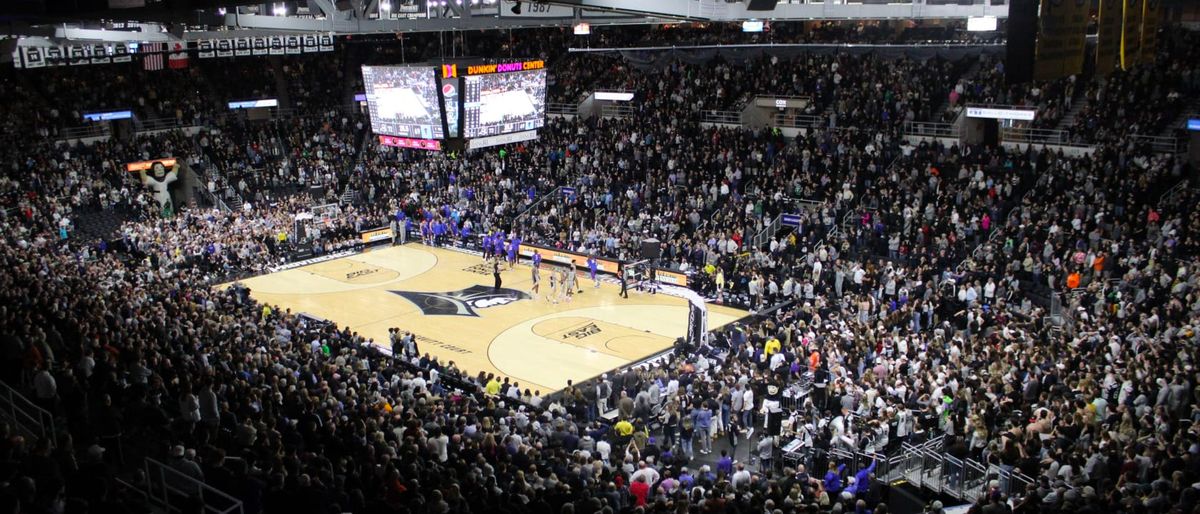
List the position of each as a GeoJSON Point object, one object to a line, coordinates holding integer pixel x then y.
{"type": "Point", "coordinates": [464, 301]}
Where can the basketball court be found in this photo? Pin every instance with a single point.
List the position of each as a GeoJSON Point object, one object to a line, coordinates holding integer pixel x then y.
{"type": "Point", "coordinates": [446, 299]}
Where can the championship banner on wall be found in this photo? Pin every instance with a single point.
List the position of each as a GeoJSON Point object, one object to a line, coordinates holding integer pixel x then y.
{"type": "Point", "coordinates": [265, 45]}
{"type": "Point", "coordinates": [1108, 35]}
{"type": "Point", "coordinates": [1062, 33]}
{"type": "Point", "coordinates": [30, 57]}
{"type": "Point", "coordinates": [1150, 22]}
{"type": "Point", "coordinates": [1131, 33]}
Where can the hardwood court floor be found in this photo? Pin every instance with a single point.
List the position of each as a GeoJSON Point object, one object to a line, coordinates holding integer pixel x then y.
{"type": "Point", "coordinates": [445, 298]}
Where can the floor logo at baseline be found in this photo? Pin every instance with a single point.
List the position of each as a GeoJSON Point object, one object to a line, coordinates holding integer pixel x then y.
{"type": "Point", "coordinates": [464, 301]}
{"type": "Point", "coordinates": [481, 269]}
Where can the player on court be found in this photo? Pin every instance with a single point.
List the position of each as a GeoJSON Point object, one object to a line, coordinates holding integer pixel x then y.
{"type": "Point", "coordinates": [568, 281]}
{"type": "Point", "coordinates": [553, 296]}
{"type": "Point", "coordinates": [536, 275]}
{"type": "Point", "coordinates": [513, 247]}
{"type": "Point", "coordinates": [592, 267]}
{"type": "Point", "coordinates": [499, 246]}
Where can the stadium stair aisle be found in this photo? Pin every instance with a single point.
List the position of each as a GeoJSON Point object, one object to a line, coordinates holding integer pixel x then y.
{"type": "Point", "coordinates": [1180, 122]}
{"type": "Point", "coordinates": [281, 85]}
{"type": "Point", "coordinates": [99, 224]}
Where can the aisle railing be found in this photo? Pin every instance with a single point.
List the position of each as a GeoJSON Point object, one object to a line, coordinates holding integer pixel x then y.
{"type": "Point", "coordinates": [172, 491]}
{"type": "Point", "coordinates": [25, 415]}
{"type": "Point", "coordinates": [562, 109]}
{"type": "Point", "coordinates": [723, 117]}
{"type": "Point", "coordinates": [930, 129]}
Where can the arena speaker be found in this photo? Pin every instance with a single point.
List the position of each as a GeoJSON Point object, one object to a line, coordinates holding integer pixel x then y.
{"type": "Point", "coordinates": [1022, 40]}
{"type": "Point", "coordinates": [761, 5]}
{"type": "Point", "coordinates": [651, 248]}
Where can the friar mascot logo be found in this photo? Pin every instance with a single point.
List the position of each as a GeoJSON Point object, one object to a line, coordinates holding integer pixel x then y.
{"type": "Point", "coordinates": [464, 301]}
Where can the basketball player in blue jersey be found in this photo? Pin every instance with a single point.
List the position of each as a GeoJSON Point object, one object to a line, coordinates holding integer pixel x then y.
{"type": "Point", "coordinates": [513, 247]}
{"type": "Point", "coordinates": [592, 267]}
{"type": "Point", "coordinates": [487, 246]}
{"type": "Point", "coordinates": [537, 258]}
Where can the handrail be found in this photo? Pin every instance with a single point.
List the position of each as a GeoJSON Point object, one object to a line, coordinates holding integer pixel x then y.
{"type": "Point", "coordinates": [930, 129]}
{"type": "Point", "coordinates": [173, 484]}
{"type": "Point", "coordinates": [784, 120]}
{"type": "Point", "coordinates": [87, 131]}
{"type": "Point", "coordinates": [553, 194]}
{"type": "Point", "coordinates": [763, 236]}
{"type": "Point", "coordinates": [615, 110]}
{"type": "Point", "coordinates": [1027, 135]}
{"type": "Point", "coordinates": [783, 97]}
{"type": "Point", "coordinates": [202, 176]}
{"type": "Point", "coordinates": [1002, 106]}
{"type": "Point", "coordinates": [728, 117]}
{"type": "Point", "coordinates": [26, 415]}
{"type": "Point", "coordinates": [562, 108]}
{"type": "Point", "coordinates": [162, 124]}
{"type": "Point", "coordinates": [996, 231]}
{"type": "Point", "coordinates": [1161, 144]}
{"type": "Point", "coordinates": [942, 44]}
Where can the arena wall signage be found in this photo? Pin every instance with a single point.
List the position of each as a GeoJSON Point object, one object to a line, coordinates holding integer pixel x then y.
{"type": "Point", "coordinates": [108, 116]}
{"type": "Point", "coordinates": [482, 69]}
{"type": "Point", "coordinates": [146, 165]}
{"type": "Point", "coordinates": [1000, 114]}
{"type": "Point", "coordinates": [254, 104]}
{"type": "Point", "coordinates": [411, 142]}
{"type": "Point", "coordinates": [564, 257]}
{"type": "Point", "coordinates": [502, 139]}
{"type": "Point", "coordinates": [614, 96]}
{"type": "Point", "coordinates": [674, 278]}
{"type": "Point", "coordinates": [375, 235]}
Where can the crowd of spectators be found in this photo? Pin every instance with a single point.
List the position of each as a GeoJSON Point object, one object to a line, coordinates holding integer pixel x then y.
{"type": "Point", "coordinates": [1035, 310]}
{"type": "Point", "coordinates": [1144, 99]}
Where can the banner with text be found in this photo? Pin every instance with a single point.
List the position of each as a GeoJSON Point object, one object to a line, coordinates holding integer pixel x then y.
{"type": "Point", "coordinates": [264, 45]}
{"type": "Point", "coordinates": [31, 57]}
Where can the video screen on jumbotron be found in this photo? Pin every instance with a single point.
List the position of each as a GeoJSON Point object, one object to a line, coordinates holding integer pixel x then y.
{"type": "Point", "coordinates": [403, 101]}
{"type": "Point", "coordinates": [500, 103]}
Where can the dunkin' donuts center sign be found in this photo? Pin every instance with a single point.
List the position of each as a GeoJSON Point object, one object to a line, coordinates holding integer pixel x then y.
{"type": "Point", "coordinates": [483, 69]}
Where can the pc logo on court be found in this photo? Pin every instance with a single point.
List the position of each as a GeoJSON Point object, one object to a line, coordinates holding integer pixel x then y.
{"type": "Point", "coordinates": [464, 301]}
